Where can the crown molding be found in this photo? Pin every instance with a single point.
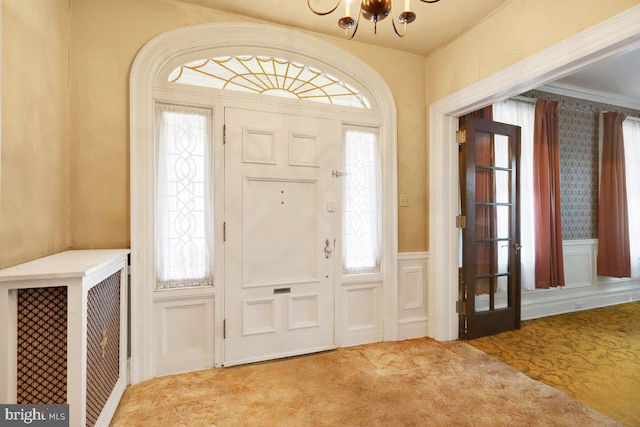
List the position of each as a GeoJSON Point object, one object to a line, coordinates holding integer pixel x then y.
{"type": "Point", "coordinates": [591, 95]}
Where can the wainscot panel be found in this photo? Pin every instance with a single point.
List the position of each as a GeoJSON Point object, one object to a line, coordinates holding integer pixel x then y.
{"type": "Point", "coordinates": [584, 288]}
{"type": "Point", "coordinates": [183, 332]}
{"type": "Point", "coordinates": [412, 294]}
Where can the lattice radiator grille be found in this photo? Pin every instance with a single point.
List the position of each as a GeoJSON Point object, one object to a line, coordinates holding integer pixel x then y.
{"type": "Point", "coordinates": [103, 344]}
{"type": "Point", "coordinates": [42, 346]}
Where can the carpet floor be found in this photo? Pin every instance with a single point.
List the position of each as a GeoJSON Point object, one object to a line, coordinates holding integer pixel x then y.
{"type": "Point", "coordinates": [417, 382]}
{"type": "Point", "coordinates": [593, 356]}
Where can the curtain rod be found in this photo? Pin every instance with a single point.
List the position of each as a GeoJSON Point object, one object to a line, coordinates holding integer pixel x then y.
{"type": "Point", "coordinates": [629, 117]}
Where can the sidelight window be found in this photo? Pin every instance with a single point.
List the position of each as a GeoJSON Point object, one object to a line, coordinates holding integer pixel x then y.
{"type": "Point", "coordinates": [184, 217]}
{"type": "Point", "coordinates": [362, 222]}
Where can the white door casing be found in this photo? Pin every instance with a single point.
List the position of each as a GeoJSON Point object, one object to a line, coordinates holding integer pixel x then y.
{"type": "Point", "coordinates": [605, 39]}
{"type": "Point", "coordinates": [281, 204]}
{"type": "Point", "coordinates": [148, 85]}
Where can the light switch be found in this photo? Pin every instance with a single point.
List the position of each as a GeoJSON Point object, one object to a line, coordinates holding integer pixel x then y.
{"type": "Point", "coordinates": [404, 200]}
{"type": "Point", "coordinates": [331, 206]}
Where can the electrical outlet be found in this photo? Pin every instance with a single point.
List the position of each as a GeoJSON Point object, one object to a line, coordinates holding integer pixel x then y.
{"type": "Point", "coordinates": [578, 304]}
{"type": "Point", "coordinates": [404, 200]}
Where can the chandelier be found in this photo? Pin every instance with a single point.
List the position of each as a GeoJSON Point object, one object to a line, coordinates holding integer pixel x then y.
{"type": "Point", "coordinates": [374, 11]}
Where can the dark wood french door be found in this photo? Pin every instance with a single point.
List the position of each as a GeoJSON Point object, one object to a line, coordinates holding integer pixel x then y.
{"type": "Point", "coordinates": [490, 273]}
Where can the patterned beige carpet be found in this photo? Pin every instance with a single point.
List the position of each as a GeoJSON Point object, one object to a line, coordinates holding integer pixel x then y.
{"type": "Point", "coordinates": [593, 356]}
{"type": "Point", "coordinates": [411, 383]}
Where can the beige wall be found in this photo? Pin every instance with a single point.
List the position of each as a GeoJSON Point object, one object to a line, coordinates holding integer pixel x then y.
{"type": "Point", "coordinates": [106, 36]}
{"type": "Point", "coordinates": [519, 30]}
{"type": "Point", "coordinates": [35, 126]}
{"type": "Point", "coordinates": [44, 172]}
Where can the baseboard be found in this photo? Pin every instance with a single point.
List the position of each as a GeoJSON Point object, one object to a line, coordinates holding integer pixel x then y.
{"type": "Point", "coordinates": [356, 338]}
{"type": "Point", "coordinates": [412, 328]}
{"type": "Point", "coordinates": [139, 368]}
{"type": "Point", "coordinates": [184, 363]}
{"type": "Point", "coordinates": [560, 301]}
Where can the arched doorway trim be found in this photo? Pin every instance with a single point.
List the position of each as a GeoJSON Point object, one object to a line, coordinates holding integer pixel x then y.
{"type": "Point", "coordinates": [185, 43]}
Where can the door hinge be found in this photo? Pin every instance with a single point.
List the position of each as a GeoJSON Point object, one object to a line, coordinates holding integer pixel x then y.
{"type": "Point", "coordinates": [461, 221]}
{"type": "Point", "coordinates": [224, 134]}
{"type": "Point", "coordinates": [224, 231]}
{"type": "Point", "coordinates": [461, 137]}
{"type": "Point", "coordinates": [461, 306]}
{"type": "Point", "coordinates": [462, 284]}
{"type": "Point", "coordinates": [224, 329]}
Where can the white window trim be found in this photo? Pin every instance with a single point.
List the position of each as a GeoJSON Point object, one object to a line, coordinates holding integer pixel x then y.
{"type": "Point", "coordinates": [185, 43]}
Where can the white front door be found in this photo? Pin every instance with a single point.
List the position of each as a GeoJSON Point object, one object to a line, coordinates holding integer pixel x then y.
{"type": "Point", "coordinates": [281, 211]}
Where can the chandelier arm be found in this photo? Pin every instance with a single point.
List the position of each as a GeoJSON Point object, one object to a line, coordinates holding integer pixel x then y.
{"type": "Point", "coordinates": [404, 30]}
{"type": "Point", "coordinates": [355, 29]}
{"type": "Point", "coordinates": [328, 12]}
{"type": "Point", "coordinates": [406, 17]}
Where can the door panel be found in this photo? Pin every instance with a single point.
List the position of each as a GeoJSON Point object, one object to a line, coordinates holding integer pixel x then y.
{"type": "Point", "coordinates": [279, 262]}
{"type": "Point", "coordinates": [490, 273]}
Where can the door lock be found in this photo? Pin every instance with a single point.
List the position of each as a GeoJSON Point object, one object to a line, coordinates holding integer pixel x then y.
{"type": "Point", "coordinates": [517, 247]}
{"type": "Point", "coordinates": [328, 250]}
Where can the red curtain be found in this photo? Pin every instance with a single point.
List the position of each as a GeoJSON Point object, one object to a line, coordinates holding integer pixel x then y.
{"type": "Point", "coordinates": [613, 223]}
{"type": "Point", "coordinates": [546, 188]}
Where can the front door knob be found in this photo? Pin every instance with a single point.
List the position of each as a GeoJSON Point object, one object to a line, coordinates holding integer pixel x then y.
{"type": "Point", "coordinates": [328, 250]}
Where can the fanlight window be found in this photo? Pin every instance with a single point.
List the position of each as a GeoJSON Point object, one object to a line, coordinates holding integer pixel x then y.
{"type": "Point", "coordinates": [269, 76]}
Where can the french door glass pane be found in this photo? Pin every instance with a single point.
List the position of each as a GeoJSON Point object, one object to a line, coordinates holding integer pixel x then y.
{"type": "Point", "coordinates": [493, 220]}
{"type": "Point", "coordinates": [502, 151]}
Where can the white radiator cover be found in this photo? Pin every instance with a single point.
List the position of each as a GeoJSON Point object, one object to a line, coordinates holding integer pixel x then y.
{"type": "Point", "coordinates": [73, 300]}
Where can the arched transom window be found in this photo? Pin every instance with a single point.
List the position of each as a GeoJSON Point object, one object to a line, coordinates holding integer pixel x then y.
{"type": "Point", "coordinates": [269, 76]}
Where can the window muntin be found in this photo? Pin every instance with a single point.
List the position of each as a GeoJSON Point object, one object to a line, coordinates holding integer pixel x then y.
{"type": "Point", "coordinates": [184, 198]}
{"type": "Point", "coordinates": [362, 205]}
{"type": "Point", "coordinates": [269, 76]}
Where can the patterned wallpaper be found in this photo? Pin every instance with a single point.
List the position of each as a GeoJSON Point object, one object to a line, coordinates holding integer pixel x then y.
{"type": "Point", "coordinates": [578, 129]}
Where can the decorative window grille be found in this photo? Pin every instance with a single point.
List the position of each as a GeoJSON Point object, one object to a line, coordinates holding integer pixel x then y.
{"type": "Point", "coordinates": [184, 198]}
{"type": "Point", "coordinates": [269, 76]}
{"type": "Point", "coordinates": [362, 222]}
